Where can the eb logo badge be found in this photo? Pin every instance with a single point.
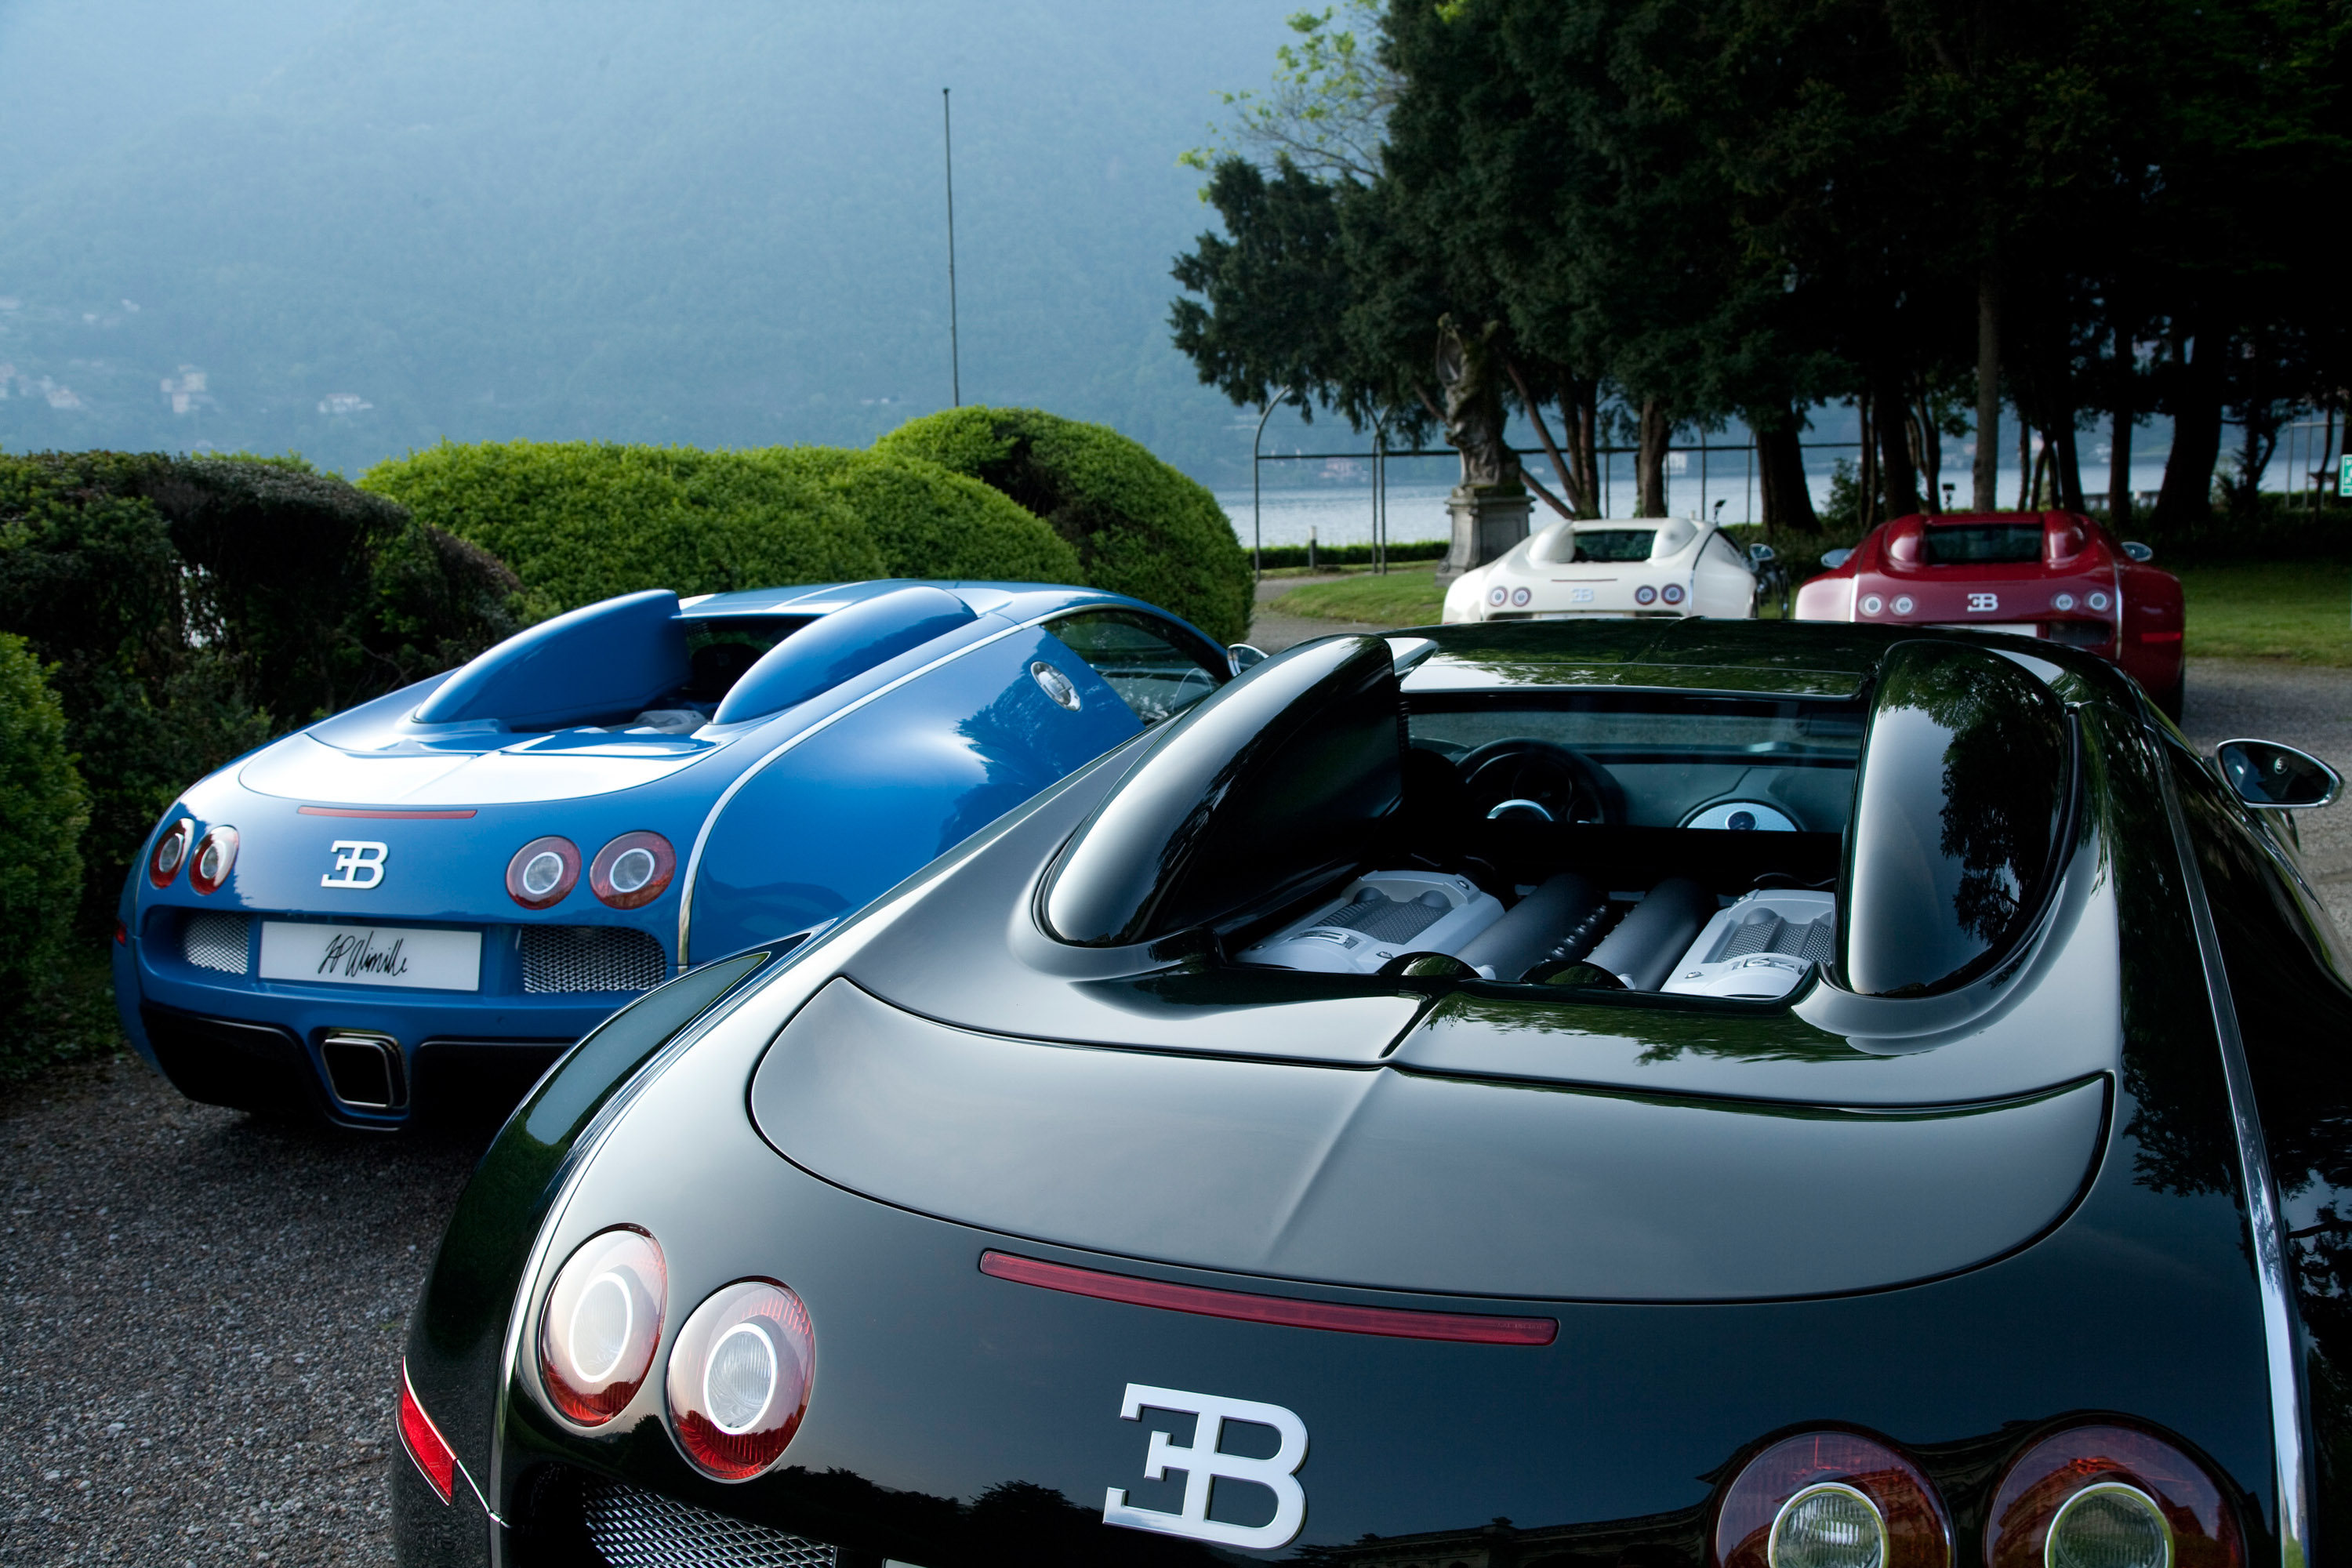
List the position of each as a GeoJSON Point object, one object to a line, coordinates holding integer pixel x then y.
{"type": "Point", "coordinates": [358, 863]}
{"type": "Point", "coordinates": [1981, 602]}
{"type": "Point", "coordinates": [1201, 1462]}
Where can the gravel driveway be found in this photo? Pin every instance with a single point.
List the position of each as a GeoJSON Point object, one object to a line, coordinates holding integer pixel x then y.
{"type": "Point", "coordinates": [203, 1311]}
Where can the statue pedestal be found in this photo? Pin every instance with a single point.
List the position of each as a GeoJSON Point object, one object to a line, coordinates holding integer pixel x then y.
{"type": "Point", "coordinates": [1487, 523]}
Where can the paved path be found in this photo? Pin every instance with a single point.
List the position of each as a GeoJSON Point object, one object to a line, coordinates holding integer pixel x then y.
{"type": "Point", "coordinates": [201, 1318]}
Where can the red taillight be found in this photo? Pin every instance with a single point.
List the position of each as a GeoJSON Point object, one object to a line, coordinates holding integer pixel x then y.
{"type": "Point", "coordinates": [602, 1324]}
{"type": "Point", "coordinates": [171, 853]}
{"type": "Point", "coordinates": [1824, 1498]}
{"type": "Point", "coordinates": [632, 870]}
{"type": "Point", "coordinates": [2112, 1495]}
{"type": "Point", "coordinates": [739, 1378]}
{"type": "Point", "coordinates": [435, 1459]}
{"type": "Point", "coordinates": [216, 855]}
{"type": "Point", "coordinates": [543, 871]}
{"type": "Point", "coordinates": [122, 934]}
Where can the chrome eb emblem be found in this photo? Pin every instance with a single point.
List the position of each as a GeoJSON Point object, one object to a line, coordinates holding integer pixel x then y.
{"type": "Point", "coordinates": [358, 863]}
{"type": "Point", "coordinates": [1979, 603]}
{"type": "Point", "coordinates": [1201, 1462]}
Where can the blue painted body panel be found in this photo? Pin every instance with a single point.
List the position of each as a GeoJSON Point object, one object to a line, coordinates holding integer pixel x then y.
{"type": "Point", "coordinates": [778, 823]}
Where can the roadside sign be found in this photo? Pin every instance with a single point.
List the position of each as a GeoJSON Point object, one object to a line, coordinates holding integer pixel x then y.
{"type": "Point", "coordinates": [2343, 475]}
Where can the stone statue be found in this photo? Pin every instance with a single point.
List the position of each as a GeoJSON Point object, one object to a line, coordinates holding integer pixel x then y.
{"type": "Point", "coordinates": [1467, 370]}
{"type": "Point", "coordinates": [1490, 508]}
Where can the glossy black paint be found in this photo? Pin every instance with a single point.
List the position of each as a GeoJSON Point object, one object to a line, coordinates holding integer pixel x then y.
{"type": "Point", "coordinates": [1968, 797]}
{"type": "Point", "coordinates": [958, 1418]}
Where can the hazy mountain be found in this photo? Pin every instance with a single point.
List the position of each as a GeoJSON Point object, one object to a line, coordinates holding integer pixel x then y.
{"type": "Point", "coordinates": [352, 229]}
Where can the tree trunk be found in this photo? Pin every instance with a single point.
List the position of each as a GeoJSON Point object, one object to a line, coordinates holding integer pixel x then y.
{"type": "Point", "coordinates": [1988, 465]}
{"type": "Point", "coordinates": [2119, 494]}
{"type": "Point", "coordinates": [2025, 465]}
{"type": "Point", "coordinates": [2068, 466]}
{"type": "Point", "coordinates": [1929, 442]}
{"type": "Point", "coordinates": [1580, 402]}
{"type": "Point", "coordinates": [1781, 474]}
{"type": "Point", "coordinates": [2186, 497]}
{"type": "Point", "coordinates": [1650, 459]}
{"type": "Point", "coordinates": [1900, 482]}
{"type": "Point", "coordinates": [1868, 477]}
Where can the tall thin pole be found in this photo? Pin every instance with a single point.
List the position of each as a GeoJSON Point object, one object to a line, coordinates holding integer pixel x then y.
{"type": "Point", "coordinates": [955, 350]}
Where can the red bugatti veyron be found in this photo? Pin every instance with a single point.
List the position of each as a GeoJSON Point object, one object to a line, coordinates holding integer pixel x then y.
{"type": "Point", "coordinates": [2058, 575]}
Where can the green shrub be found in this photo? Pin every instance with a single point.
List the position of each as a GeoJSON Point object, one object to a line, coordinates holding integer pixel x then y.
{"type": "Point", "coordinates": [1139, 526]}
{"type": "Point", "coordinates": [581, 521]}
{"type": "Point", "coordinates": [191, 608]}
{"type": "Point", "coordinates": [929, 522]}
{"type": "Point", "coordinates": [42, 812]}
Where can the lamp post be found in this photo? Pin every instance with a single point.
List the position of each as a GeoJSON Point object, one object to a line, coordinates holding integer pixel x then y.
{"type": "Point", "coordinates": [1258, 518]}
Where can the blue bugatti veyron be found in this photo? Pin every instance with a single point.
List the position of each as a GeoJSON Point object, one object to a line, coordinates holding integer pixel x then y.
{"type": "Point", "coordinates": [422, 902]}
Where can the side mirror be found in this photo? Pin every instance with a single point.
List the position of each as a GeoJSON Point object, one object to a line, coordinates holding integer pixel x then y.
{"type": "Point", "coordinates": [1241, 656]}
{"type": "Point", "coordinates": [1833, 559]}
{"type": "Point", "coordinates": [2138, 551]}
{"type": "Point", "coordinates": [2266, 773]}
{"type": "Point", "coordinates": [1761, 553]}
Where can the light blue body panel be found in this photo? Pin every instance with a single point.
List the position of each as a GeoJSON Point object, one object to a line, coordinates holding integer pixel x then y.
{"type": "Point", "coordinates": [778, 823]}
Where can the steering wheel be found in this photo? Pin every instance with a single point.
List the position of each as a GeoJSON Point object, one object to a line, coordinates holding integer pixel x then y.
{"type": "Point", "coordinates": [1523, 776]}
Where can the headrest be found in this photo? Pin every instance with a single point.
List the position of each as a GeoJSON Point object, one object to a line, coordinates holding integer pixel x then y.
{"type": "Point", "coordinates": [1273, 781]}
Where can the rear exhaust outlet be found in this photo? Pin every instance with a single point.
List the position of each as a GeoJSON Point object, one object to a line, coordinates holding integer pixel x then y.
{"type": "Point", "coordinates": [364, 1069]}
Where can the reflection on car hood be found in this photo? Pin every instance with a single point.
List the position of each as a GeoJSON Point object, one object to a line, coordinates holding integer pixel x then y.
{"type": "Point", "coordinates": [1394, 1179]}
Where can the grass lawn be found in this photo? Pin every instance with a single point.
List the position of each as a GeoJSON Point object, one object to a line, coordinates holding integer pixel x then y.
{"type": "Point", "coordinates": [2297, 611]}
{"type": "Point", "coordinates": [1408, 598]}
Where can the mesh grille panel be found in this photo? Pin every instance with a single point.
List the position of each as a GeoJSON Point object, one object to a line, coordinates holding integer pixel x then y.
{"type": "Point", "coordinates": [591, 958]}
{"type": "Point", "coordinates": [1384, 918]}
{"type": "Point", "coordinates": [214, 941]}
{"type": "Point", "coordinates": [631, 1528]}
{"type": "Point", "coordinates": [1766, 933]}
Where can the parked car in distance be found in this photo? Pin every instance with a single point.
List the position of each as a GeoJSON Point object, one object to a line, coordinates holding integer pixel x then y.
{"type": "Point", "coordinates": [1700, 1094]}
{"type": "Point", "coordinates": [426, 899]}
{"type": "Point", "coordinates": [1643, 568]}
{"type": "Point", "coordinates": [2057, 575]}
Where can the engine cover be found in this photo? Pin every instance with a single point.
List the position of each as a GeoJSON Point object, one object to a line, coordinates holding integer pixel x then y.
{"type": "Point", "coordinates": [1378, 917]}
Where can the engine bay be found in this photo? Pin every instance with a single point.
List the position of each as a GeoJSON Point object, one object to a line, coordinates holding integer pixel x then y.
{"type": "Point", "coordinates": [1654, 842]}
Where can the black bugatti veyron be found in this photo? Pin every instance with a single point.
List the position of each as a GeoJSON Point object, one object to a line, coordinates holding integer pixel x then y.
{"type": "Point", "coordinates": [1685, 1095]}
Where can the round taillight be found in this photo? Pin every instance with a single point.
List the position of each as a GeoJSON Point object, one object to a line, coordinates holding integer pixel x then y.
{"type": "Point", "coordinates": [633, 869]}
{"type": "Point", "coordinates": [171, 853]}
{"type": "Point", "coordinates": [1831, 1499]}
{"type": "Point", "coordinates": [1672, 593]}
{"type": "Point", "coordinates": [1645, 594]}
{"type": "Point", "coordinates": [739, 1378]}
{"type": "Point", "coordinates": [543, 871]}
{"type": "Point", "coordinates": [2109, 1496]}
{"type": "Point", "coordinates": [601, 1325]}
{"type": "Point", "coordinates": [215, 855]}
{"type": "Point", "coordinates": [1871, 604]}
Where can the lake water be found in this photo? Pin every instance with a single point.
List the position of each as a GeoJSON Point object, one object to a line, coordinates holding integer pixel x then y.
{"type": "Point", "coordinates": [1340, 511]}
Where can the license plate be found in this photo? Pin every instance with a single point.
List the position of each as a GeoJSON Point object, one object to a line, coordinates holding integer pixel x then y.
{"type": "Point", "coordinates": [409, 956]}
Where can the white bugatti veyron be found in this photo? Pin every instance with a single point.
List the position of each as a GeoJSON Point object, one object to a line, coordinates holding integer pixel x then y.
{"type": "Point", "coordinates": [1619, 566]}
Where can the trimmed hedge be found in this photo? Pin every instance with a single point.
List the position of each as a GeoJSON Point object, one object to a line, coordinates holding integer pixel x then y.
{"type": "Point", "coordinates": [42, 810]}
{"type": "Point", "coordinates": [929, 522]}
{"type": "Point", "coordinates": [1140, 527]}
{"type": "Point", "coordinates": [192, 608]}
{"type": "Point", "coordinates": [1353, 555]}
{"type": "Point", "coordinates": [582, 520]}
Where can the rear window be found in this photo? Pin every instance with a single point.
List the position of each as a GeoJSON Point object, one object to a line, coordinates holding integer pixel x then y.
{"type": "Point", "coordinates": [1614, 543]}
{"type": "Point", "coordinates": [1982, 544]}
{"type": "Point", "coordinates": [721, 648]}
